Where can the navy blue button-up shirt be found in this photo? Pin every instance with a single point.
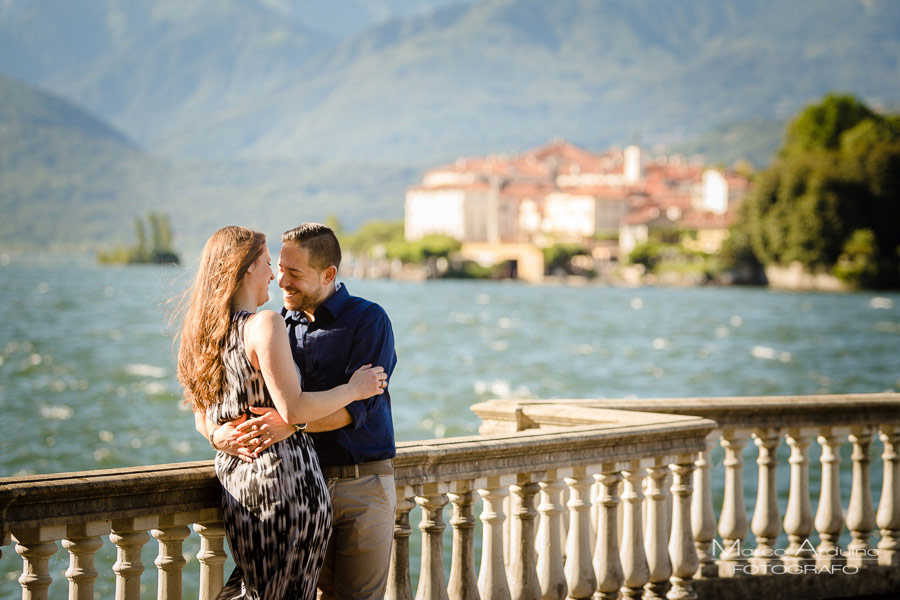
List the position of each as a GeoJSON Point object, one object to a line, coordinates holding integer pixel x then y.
{"type": "Point", "coordinates": [347, 333]}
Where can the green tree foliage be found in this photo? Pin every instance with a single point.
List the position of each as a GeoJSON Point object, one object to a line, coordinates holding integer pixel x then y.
{"type": "Point", "coordinates": [335, 224]}
{"type": "Point", "coordinates": [373, 237]}
{"type": "Point", "coordinates": [378, 239]}
{"type": "Point", "coordinates": [831, 199]}
{"type": "Point", "coordinates": [558, 257]}
{"type": "Point", "coordinates": [431, 246]}
{"type": "Point", "coordinates": [821, 126]}
{"type": "Point", "coordinates": [139, 251]}
{"type": "Point", "coordinates": [158, 251]}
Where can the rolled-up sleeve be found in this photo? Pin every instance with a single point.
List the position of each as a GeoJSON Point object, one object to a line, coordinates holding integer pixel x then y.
{"type": "Point", "coordinates": [373, 343]}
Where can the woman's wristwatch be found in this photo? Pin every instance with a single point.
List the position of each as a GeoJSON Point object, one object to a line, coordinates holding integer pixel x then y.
{"type": "Point", "coordinates": [299, 426]}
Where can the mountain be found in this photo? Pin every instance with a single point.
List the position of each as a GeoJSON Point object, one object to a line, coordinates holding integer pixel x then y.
{"type": "Point", "coordinates": [508, 74]}
{"type": "Point", "coordinates": [754, 141]}
{"type": "Point", "coordinates": [151, 68]}
{"type": "Point", "coordinates": [70, 181]}
{"type": "Point", "coordinates": [255, 79]}
{"type": "Point", "coordinates": [61, 170]}
{"type": "Point", "coordinates": [270, 112]}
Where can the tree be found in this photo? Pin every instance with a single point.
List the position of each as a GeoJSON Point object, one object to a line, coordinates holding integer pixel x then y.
{"type": "Point", "coordinates": [158, 251]}
{"type": "Point", "coordinates": [831, 200]}
{"type": "Point", "coordinates": [558, 257]}
{"type": "Point", "coordinates": [820, 126]}
{"type": "Point", "coordinates": [334, 223]}
{"type": "Point", "coordinates": [140, 252]}
{"type": "Point", "coordinates": [372, 237]}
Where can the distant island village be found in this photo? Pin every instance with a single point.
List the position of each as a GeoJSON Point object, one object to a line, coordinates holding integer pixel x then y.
{"type": "Point", "coordinates": [559, 211]}
{"type": "Point", "coordinates": [822, 216]}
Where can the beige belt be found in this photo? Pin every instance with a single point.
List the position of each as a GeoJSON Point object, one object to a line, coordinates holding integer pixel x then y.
{"type": "Point", "coordinates": [376, 467]}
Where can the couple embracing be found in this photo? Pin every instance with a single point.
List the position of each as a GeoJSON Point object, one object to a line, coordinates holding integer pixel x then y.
{"type": "Point", "coordinates": [297, 407]}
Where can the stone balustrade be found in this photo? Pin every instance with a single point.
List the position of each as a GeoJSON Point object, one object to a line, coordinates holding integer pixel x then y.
{"type": "Point", "coordinates": [813, 563]}
{"type": "Point", "coordinates": [576, 499]}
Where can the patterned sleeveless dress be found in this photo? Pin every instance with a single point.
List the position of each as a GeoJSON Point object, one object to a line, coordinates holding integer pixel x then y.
{"type": "Point", "coordinates": [277, 510]}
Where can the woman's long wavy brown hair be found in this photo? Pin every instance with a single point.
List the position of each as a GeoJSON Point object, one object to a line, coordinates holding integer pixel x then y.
{"type": "Point", "coordinates": [225, 259]}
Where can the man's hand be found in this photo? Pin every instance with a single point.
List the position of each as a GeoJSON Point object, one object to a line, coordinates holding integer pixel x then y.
{"type": "Point", "coordinates": [261, 432]}
{"type": "Point", "coordinates": [227, 438]}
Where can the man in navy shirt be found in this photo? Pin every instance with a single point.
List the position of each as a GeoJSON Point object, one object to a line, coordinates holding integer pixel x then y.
{"type": "Point", "coordinates": [332, 334]}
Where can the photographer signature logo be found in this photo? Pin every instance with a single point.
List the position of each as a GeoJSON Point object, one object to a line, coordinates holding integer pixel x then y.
{"type": "Point", "coordinates": [838, 560]}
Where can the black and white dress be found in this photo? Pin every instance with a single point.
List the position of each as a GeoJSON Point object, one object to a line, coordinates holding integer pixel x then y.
{"type": "Point", "coordinates": [277, 510]}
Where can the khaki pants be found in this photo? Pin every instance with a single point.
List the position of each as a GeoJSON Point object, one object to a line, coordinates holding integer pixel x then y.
{"type": "Point", "coordinates": [359, 551]}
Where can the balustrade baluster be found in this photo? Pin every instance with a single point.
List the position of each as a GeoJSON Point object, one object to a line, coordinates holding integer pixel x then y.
{"type": "Point", "coordinates": [681, 547]}
{"type": "Point", "coordinates": [82, 541]}
{"type": "Point", "coordinates": [733, 520]}
{"type": "Point", "coordinates": [596, 492]}
{"type": "Point", "coordinates": [463, 578]}
{"type": "Point", "coordinates": [551, 574]}
{"type": "Point", "coordinates": [634, 561]}
{"type": "Point", "coordinates": [766, 524]}
{"type": "Point", "coordinates": [798, 516]}
{"type": "Point", "coordinates": [656, 540]}
{"type": "Point", "coordinates": [580, 578]}
{"type": "Point", "coordinates": [607, 564]}
{"type": "Point", "coordinates": [829, 513]}
{"type": "Point", "coordinates": [399, 585]}
{"type": "Point", "coordinates": [170, 533]}
{"type": "Point", "coordinates": [703, 517]}
{"type": "Point", "coordinates": [888, 516]}
{"type": "Point", "coordinates": [431, 575]}
{"type": "Point", "coordinates": [860, 514]}
{"type": "Point", "coordinates": [129, 536]}
{"type": "Point", "coordinates": [492, 583]}
{"type": "Point", "coordinates": [211, 557]}
{"type": "Point", "coordinates": [522, 562]}
{"type": "Point", "coordinates": [36, 546]}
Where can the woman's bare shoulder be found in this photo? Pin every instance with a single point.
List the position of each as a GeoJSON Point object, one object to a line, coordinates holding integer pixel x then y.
{"type": "Point", "coordinates": [264, 323]}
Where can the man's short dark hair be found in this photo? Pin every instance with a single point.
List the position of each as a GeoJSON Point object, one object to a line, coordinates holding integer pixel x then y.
{"type": "Point", "coordinates": [319, 240]}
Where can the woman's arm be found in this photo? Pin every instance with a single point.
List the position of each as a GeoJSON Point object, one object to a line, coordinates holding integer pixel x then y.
{"type": "Point", "coordinates": [268, 349]}
{"type": "Point", "coordinates": [200, 425]}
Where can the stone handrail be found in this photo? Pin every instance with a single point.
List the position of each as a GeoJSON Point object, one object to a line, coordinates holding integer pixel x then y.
{"type": "Point", "coordinates": [508, 470]}
{"type": "Point", "coordinates": [625, 506]}
{"type": "Point", "coordinates": [799, 420]}
{"type": "Point", "coordinates": [76, 509]}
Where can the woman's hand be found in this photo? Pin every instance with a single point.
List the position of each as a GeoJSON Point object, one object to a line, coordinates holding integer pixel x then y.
{"type": "Point", "coordinates": [368, 381]}
{"type": "Point", "coordinates": [260, 432]}
{"type": "Point", "coordinates": [226, 437]}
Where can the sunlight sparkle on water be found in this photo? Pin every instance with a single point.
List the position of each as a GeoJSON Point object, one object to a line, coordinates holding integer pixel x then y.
{"type": "Point", "coordinates": [661, 344]}
{"type": "Point", "coordinates": [766, 353]}
{"type": "Point", "coordinates": [57, 413]}
{"type": "Point", "coordinates": [146, 371]}
{"type": "Point", "coordinates": [880, 303]}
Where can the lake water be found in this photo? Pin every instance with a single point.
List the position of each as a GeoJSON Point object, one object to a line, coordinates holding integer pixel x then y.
{"type": "Point", "coordinates": [87, 363]}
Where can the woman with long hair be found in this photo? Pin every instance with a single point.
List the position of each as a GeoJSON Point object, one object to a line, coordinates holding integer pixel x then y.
{"type": "Point", "coordinates": [276, 507]}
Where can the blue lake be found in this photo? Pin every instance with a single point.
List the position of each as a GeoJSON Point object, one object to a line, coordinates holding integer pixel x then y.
{"type": "Point", "coordinates": [87, 361]}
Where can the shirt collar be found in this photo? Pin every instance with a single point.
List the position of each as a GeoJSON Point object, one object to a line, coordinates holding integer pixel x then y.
{"type": "Point", "coordinates": [333, 305]}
